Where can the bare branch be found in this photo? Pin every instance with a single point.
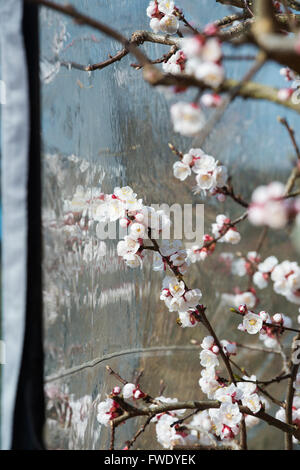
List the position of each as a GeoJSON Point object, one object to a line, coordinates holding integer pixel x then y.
{"type": "Point", "coordinates": [206, 405]}
{"type": "Point", "coordinates": [291, 134]}
{"type": "Point", "coordinates": [290, 395]}
{"type": "Point", "coordinates": [280, 48]}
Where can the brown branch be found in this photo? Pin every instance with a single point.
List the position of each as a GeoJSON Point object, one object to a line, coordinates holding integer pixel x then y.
{"type": "Point", "coordinates": [247, 7]}
{"type": "Point", "coordinates": [290, 395]}
{"type": "Point", "coordinates": [201, 310]}
{"type": "Point", "coordinates": [117, 376]}
{"type": "Point", "coordinates": [261, 239]}
{"type": "Point", "coordinates": [160, 60]}
{"type": "Point", "coordinates": [277, 47]}
{"type": "Point", "coordinates": [130, 443]}
{"type": "Point", "coordinates": [227, 20]}
{"type": "Point", "coordinates": [257, 348]}
{"type": "Point", "coordinates": [294, 194]}
{"type": "Point", "coordinates": [152, 74]}
{"type": "Point", "coordinates": [182, 18]}
{"type": "Point", "coordinates": [82, 19]}
{"type": "Point", "coordinates": [229, 191]}
{"type": "Point", "coordinates": [232, 94]}
{"type": "Point", "coordinates": [233, 3]}
{"type": "Point", "coordinates": [205, 405]}
{"type": "Point", "coordinates": [259, 387]}
{"type": "Point", "coordinates": [294, 4]}
{"type": "Point", "coordinates": [295, 174]}
{"type": "Point", "coordinates": [283, 355]}
{"type": "Point", "coordinates": [112, 435]}
{"type": "Point", "coordinates": [243, 436]}
{"type": "Point", "coordinates": [291, 132]}
{"type": "Point", "coordinates": [278, 379]}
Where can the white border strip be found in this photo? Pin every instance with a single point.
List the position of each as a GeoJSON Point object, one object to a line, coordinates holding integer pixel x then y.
{"type": "Point", "coordinates": [15, 135]}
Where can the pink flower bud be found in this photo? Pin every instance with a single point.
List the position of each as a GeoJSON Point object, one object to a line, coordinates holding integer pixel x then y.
{"type": "Point", "coordinates": [277, 318]}
{"type": "Point", "coordinates": [263, 315]}
{"type": "Point", "coordinates": [139, 217]}
{"type": "Point", "coordinates": [243, 309]}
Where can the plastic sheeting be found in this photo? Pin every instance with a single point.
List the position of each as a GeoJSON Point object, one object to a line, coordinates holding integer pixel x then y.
{"type": "Point", "coordinates": [109, 129]}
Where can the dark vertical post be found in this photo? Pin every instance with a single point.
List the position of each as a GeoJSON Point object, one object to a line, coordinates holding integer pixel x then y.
{"type": "Point", "coordinates": [29, 406]}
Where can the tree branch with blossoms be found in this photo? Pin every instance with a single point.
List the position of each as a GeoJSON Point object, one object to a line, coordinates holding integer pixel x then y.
{"type": "Point", "coordinates": [195, 59]}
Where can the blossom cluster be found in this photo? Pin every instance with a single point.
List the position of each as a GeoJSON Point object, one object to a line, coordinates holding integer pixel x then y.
{"type": "Point", "coordinates": [285, 94]}
{"type": "Point", "coordinates": [137, 218]}
{"type": "Point", "coordinates": [210, 175]}
{"type": "Point", "coordinates": [200, 253]}
{"type": "Point", "coordinates": [285, 276]}
{"type": "Point", "coordinates": [204, 58]}
{"type": "Point", "coordinates": [243, 264]}
{"type": "Point", "coordinates": [248, 298]}
{"type": "Point", "coordinates": [109, 409]}
{"type": "Point", "coordinates": [168, 432]}
{"type": "Point", "coordinates": [163, 16]}
{"type": "Point", "coordinates": [269, 328]}
{"type": "Point", "coordinates": [224, 231]}
{"type": "Point", "coordinates": [224, 422]}
{"type": "Point", "coordinates": [201, 57]}
{"type": "Point", "coordinates": [270, 207]}
{"type": "Point", "coordinates": [281, 414]}
{"type": "Point", "coordinates": [179, 299]}
{"type": "Point", "coordinates": [142, 223]}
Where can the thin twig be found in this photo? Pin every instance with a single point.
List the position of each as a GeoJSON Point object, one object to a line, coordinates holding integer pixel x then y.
{"type": "Point", "coordinates": [291, 132]}
{"type": "Point", "coordinates": [117, 376]}
{"type": "Point", "coordinates": [130, 443]}
{"type": "Point", "coordinates": [290, 395]}
{"type": "Point", "coordinates": [112, 435]}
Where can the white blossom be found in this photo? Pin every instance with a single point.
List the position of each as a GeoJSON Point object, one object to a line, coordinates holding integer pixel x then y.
{"type": "Point", "coordinates": [260, 280]}
{"type": "Point", "coordinates": [128, 245]}
{"type": "Point", "coordinates": [137, 231]}
{"type": "Point", "coordinates": [128, 391]}
{"type": "Point", "coordinates": [252, 323]}
{"type": "Point", "coordinates": [177, 288]}
{"type": "Point", "coordinates": [252, 402]}
{"type": "Point", "coordinates": [133, 260]}
{"type": "Point", "coordinates": [169, 24]}
{"type": "Point", "coordinates": [207, 342]}
{"type": "Point", "coordinates": [176, 64]}
{"type": "Point", "coordinates": [268, 264]}
{"type": "Point", "coordinates": [208, 358]}
{"type": "Point", "coordinates": [104, 411]}
{"type": "Point", "coordinates": [229, 394]}
{"type": "Point", "coordinates": [181, 170]}
{"type": "Point", "coordinates": [268, 206]}
{"type": "Point", "coordinates": [187, 319]}
{"type": "Point", "coordinates": [210, 73]}
{"type": "Point", "coordinates": [188, 119]}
